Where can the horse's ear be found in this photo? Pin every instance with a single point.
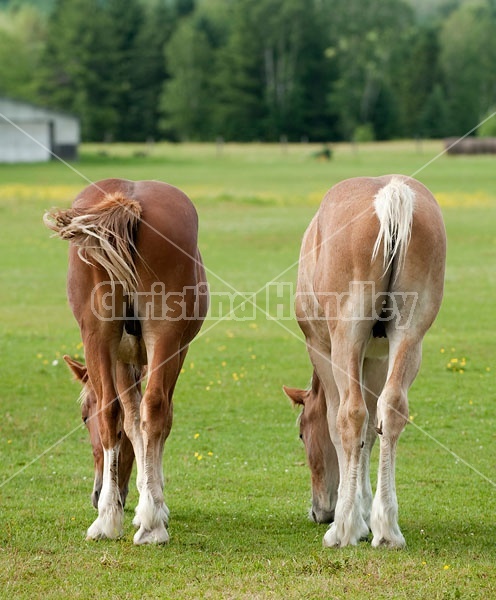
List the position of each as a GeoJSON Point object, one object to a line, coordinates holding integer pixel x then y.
{"type": "Point", "coordinates": [79, 370]}
{"type": "Point", "coordinates": [296, 395]}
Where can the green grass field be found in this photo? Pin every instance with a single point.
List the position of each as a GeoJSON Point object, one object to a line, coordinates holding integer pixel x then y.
{"type": "Point", "coordinates": [236, 480]}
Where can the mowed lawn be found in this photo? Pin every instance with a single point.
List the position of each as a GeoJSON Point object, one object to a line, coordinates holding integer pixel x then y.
{"type": "Point", "coordinates": [236, 479]}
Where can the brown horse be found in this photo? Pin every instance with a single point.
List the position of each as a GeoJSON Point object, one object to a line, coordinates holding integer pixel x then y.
{"type": "Point", "coordinates": [137, 287]}
{"type": "Point", "coordinates": [370, 284]}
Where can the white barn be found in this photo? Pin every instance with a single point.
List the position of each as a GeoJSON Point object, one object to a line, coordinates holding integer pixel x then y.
{"type": "Point", "coordinates": [29, 133]}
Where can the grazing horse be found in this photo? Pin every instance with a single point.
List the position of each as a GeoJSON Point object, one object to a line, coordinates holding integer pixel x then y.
{"type": "Point", "coordinates": [370, 284]}
{"type": "Point", "coordinates": [137, 287]}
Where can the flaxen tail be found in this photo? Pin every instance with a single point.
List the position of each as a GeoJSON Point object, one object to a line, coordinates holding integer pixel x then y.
{"type": "Point", "coordinates": [394, 206]}
{"type": "Point", "coordinates": [104, 235]}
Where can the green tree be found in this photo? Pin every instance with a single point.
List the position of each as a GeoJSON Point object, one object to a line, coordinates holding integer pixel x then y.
{"type": "Point", "coordinates": [272, 72]}
{"type": "Point", "coordinates": [365, 37]}
{"type": "Point", "coordinates": [22, 34]}
{"type": "Point", "coordinates": [434, 116]}
{"type": "Point", "coordinates": [415, 75]}
{"type": "Point", "coordinates": [468, 56]}
{"type": "Point", "coordinates": [126, 20]}
{"type": "Point", "coordinates": [76, 72]}
{"type": "Point", "coordinates": [149, 71]}
{"type": "Point", "coordinates": [186, 99]}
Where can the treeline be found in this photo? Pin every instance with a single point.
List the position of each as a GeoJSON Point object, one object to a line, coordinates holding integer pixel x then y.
{"type": "Point", "coordinates": [254, 69]}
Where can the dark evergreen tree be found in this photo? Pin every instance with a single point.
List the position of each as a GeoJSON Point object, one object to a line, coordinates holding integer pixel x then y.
{"type": "Point", "coordinates": [149, 72]}
{"type": "Point", "coordinates": [273, 73]}
{"type": "Point", "coordinates": [76, 74]}
{"type": "Point", "coordinates": [365, 36]}
{"type": "Point", "coordinates": [186, 99]}
{"type": "Point", "coordinates": [415, 73]}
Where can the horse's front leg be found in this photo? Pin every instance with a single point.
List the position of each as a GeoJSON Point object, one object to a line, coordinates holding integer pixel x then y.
{"type": "Point", "coordinates": [374, 376]}
{"type": "Point", "coordinates": [109, 523]}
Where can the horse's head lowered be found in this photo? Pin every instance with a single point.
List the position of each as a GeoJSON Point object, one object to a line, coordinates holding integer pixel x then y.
{"type": "Point", "coordinates": [89, 414]}
{"type": "Point", "coordinates": [321, 455]}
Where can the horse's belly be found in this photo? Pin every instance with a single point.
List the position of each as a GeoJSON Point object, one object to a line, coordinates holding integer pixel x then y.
{"type": "Point", "coordinates": [377, 348]}
{"type": "Point", "coordinates": [132, 350]}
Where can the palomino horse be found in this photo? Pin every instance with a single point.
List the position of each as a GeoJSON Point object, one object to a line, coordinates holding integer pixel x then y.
{"type": "Point", "coordinates": [137, 287]}
{"type": "Point", "coordinates": [370, 284]}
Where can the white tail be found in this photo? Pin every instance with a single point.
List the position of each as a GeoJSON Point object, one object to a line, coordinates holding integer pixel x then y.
{"type": "Point", "coordinates": [394, 205]}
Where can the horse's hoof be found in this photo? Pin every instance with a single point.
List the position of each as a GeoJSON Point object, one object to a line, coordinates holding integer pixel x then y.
{"type": "Point", "coordinates": [158, 535]}
{"type": "Point", "coordinates": [395, 543]}
{"type": "Point", "coordinates": [106, 527]}
{"type": "Point", "coordinates": [330, 538]}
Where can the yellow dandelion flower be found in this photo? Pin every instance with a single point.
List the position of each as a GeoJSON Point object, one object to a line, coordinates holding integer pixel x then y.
{"type": "Point", "coordinates": [39, 355]}
{"type": "Point", "coordinates": [253, 356]}
{"type": "Point", "coordinates": [454, 360]}
{"type": "Point", "coordinates": [196, 436]}
{"type": "Point", "coordinates": [253, 326]}
{"type": "Point", "coordinates": [235, 376]}
{"type": "Point", "coordinates": [442, 350]}
{"type": "Point", "coordinates": [45, 362]}
{"type": "Point", "coordinates": [199, 457]}
{"type": "Point", "coordinates": [461, 371]}
{"type": "Point", "coordinates": [221, 348]}
{"type": "Point", "coordinates": [223, 363]}
{"type": "Point", "coordinates": [79, 346]}
{"type": "Point", "coordinates": [488, 369]}
{"type": "Point", "coordinates": [183, 370]}
{"type": "Point", "coordinates": [191, 365]}
{"type": "Point", "coordinates": [446, 567]}
{"type": "Point", "coordinates": [229, 333]}
{"type": "Point", "coordinates": [207, 388]}
{"type": "Point", "coordinates": [210, 453]}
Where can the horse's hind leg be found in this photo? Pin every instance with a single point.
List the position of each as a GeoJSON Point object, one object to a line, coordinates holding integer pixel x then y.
{"type": "Point", "coordinates": [156, 422]}
{"type": "Point", "coordinates": [348, 343]}
{"type": "Point", "coordinates": [392, 415]}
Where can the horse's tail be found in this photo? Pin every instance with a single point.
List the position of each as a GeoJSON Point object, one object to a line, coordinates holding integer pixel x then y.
{"type": "Point", "coordinates": [394, 206]}
{"type": "Point", "coordinates": [104, 235]}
